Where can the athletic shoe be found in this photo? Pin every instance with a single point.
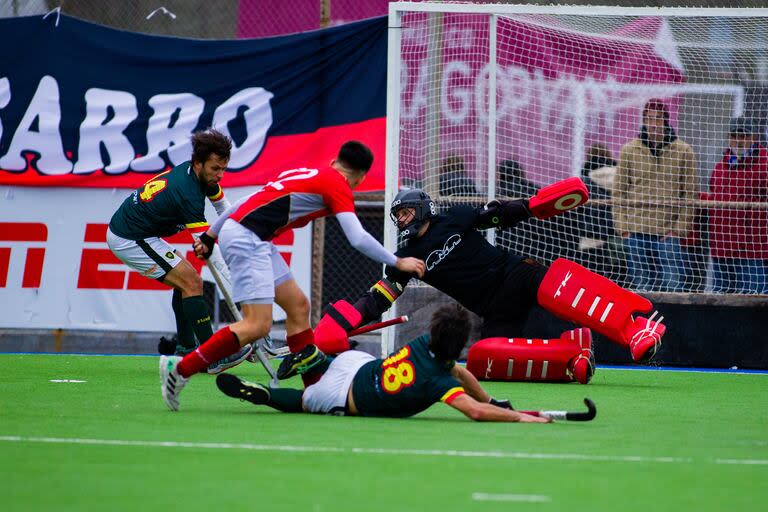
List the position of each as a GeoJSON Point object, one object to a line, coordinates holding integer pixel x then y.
{"type": "Point", "coordinates": [172, 347]}
{"type": "Point", "coordinates": [645, 339]}
{"type": "Point", "coordinates": [231, 361]}
{"type": "Point", "coordinates": [269, 346]}
{"type": "Point", "coordinates": [242, 389]}
{"type": "Point", "coordinates": [171, 382]}
{"type": "Point", "coordinates": [167, 346]}
{"type": "Point", "coordinates": [300, 362]}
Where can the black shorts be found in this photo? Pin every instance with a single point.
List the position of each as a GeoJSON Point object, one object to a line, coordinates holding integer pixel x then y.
{"type": "Point", "coordinates": [510, 305]}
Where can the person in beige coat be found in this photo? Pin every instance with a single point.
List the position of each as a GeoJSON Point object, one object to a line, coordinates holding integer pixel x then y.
{"type": "Point", "coordinates": [655, 179]}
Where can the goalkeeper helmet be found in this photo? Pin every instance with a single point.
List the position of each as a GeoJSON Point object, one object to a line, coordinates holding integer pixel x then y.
{"type": "Point", "coordinates": [423, 206]}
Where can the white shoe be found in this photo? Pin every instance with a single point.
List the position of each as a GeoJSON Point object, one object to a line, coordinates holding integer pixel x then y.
{"type": "Point", "coordinates": [171, 382]}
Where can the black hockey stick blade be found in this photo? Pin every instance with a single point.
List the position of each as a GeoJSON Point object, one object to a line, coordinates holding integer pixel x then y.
{"type": "Point", "coordinates": [583, 416]}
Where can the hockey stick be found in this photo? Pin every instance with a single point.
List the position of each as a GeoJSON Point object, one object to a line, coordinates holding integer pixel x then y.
{"type": "Point", "coordinates": [257, 346]}
{"type": "Point", "coordinates": [568, 416]}
{"type": "Point", "coordinates": [283, 351]}
{"type": "Point", "coordinates": [378, 325]}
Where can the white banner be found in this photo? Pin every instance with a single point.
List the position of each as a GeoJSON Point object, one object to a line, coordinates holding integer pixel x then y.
{"type": "Point", "coordinates": [56, 270]}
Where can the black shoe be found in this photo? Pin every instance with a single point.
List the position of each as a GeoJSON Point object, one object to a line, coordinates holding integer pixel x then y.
{"type": "Point", "coordinates": [172, 347]}
{"type": "Point", "coordinates": [300, 362]}
{"type": "Point", "coordinates": [242, 389]}
{"type": "Point", "coordinates": [167, 347]}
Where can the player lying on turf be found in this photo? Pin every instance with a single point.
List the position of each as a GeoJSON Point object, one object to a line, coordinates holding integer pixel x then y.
{"type": "Point", "coordinates": [260, 276]}
{"type": "Point", "coordinates": [422, 373]}
{"type": "Point", "coordinates": [166, 204]}
{"type": "Point", "coordinates": [502, 288]}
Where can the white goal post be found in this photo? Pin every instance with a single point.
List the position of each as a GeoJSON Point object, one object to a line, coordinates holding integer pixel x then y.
{"type": "Point", "coordinates": [572, 84]}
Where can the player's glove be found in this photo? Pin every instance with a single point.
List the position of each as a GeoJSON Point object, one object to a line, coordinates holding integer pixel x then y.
{"type": "Point", "coordinates": [504, 404]}
{"type": "Point", "coordinates": [208, 242]}
{"type": "Point", "coordinates": [502, 214]}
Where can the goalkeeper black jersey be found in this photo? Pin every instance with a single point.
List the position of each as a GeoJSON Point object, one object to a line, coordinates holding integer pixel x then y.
{"type": "Point", "coordinates": [460, 261]}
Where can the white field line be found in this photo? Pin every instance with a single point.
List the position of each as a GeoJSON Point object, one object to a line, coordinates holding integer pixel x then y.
{"type": "Point", "coordinates": [750, 462]}
{"type": "Point", "coordinates": [68, 381]}
{"type": "Point", "coordinates": [375, 451]}
{"type": "Point", "coordinates": [525, 498]}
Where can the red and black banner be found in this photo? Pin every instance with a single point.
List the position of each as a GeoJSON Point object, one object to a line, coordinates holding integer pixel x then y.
{"type": "Point", "coordinates": [82, 105]}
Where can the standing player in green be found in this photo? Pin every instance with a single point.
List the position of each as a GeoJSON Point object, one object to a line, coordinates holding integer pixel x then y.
{"type": "Point", "coordinates": [422, 373]}
{"type": "Point", "coordinates": [166, 204]}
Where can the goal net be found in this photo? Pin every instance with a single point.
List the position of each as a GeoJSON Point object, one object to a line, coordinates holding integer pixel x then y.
{"type": "Point", "coordinates": [660, 111]}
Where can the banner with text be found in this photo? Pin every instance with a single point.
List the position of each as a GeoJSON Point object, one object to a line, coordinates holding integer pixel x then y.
{"type": "Point", "coordinates": [56, 270]}
{"type": "Point", "coordinates": [82, 105]}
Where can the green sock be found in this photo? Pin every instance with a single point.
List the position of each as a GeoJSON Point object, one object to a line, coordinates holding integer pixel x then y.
{"type": "Point", "coordinates": [285, 400]}
{"type": "Point", "coordinates": [196, 313]}
{"type": "Point", "coordinates": [184, 333]}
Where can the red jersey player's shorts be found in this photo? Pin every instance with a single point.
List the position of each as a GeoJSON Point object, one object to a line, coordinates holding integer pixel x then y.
{"type": "Point", "coordinates": [255, 265]}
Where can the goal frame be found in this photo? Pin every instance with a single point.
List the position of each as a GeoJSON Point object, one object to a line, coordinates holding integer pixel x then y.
{"type": "Point", "coordinates": [396, 11]}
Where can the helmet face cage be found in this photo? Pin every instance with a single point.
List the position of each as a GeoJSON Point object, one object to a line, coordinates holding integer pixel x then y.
{"type": "Point", "coordinates": [423, 206]}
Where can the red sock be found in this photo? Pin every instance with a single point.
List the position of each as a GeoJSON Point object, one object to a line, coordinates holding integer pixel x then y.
{"type": "Point", "coordinates": [223, 343]}
{"type": "Point", "coordinates": [298, 341]}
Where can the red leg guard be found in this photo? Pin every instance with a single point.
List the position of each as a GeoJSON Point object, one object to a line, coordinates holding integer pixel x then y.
{"type": "Point", "coordinates": [331, 332]}
{"type": "Point", "coordinates": [574, 293]}
{"type": "Point", "coordinates": [557, 360]}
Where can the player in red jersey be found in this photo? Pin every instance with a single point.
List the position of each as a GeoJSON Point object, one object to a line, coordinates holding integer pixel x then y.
{"type": "Point", "coordinates": [259, 274]}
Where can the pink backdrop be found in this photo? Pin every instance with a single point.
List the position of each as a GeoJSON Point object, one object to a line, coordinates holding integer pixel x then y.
{"type": "Point", "coordinates": [540, 70]}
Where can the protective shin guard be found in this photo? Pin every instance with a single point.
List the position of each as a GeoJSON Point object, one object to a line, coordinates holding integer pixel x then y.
{"type": "Point", "coordinates": [184, 332]}
{"type": "Point", "coordinates": [574, 293]}
{"type": "Point", "coordinates": [331, 332]}
{"type": "Point", "coordinates": [196, 313]}
{"type": "Point", "coordinates": [565, 359]}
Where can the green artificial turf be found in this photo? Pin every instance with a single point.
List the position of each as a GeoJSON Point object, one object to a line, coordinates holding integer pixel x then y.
{"type": "Point", "coordinates": [662, 441]}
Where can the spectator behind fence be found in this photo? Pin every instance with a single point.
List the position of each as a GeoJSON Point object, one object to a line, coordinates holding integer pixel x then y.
{"type": "Point", "coordinates": [597, 247]}
{"type": "Point", "coordinates": [655, 181]}
{"type": "Point", "coordinates": [512, 182]}
{"type": "Point", "coordinates": [453, 178]}
{"type": "Point", "coordinates": [739, 236]}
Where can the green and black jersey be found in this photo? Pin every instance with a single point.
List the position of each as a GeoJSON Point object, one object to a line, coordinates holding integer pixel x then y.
{"type": "Point", "coordinates": [405, 383]}
{"type": "Point", "coordinates": [166, 204]}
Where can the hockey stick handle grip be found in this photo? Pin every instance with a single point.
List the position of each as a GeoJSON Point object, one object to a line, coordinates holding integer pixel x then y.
{"type": "Point", "coordinates": [378, 325]}
{"type": "Point", "coordinates": [589, 415]}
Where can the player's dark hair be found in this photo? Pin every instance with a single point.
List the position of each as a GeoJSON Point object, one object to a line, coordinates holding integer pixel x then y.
{"type": "Point", "coordinates": [449, 330]}
{"type": "Point", "coordinates": [210, 142]}
{"type": "Point", "coordinates": [355, 156]}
